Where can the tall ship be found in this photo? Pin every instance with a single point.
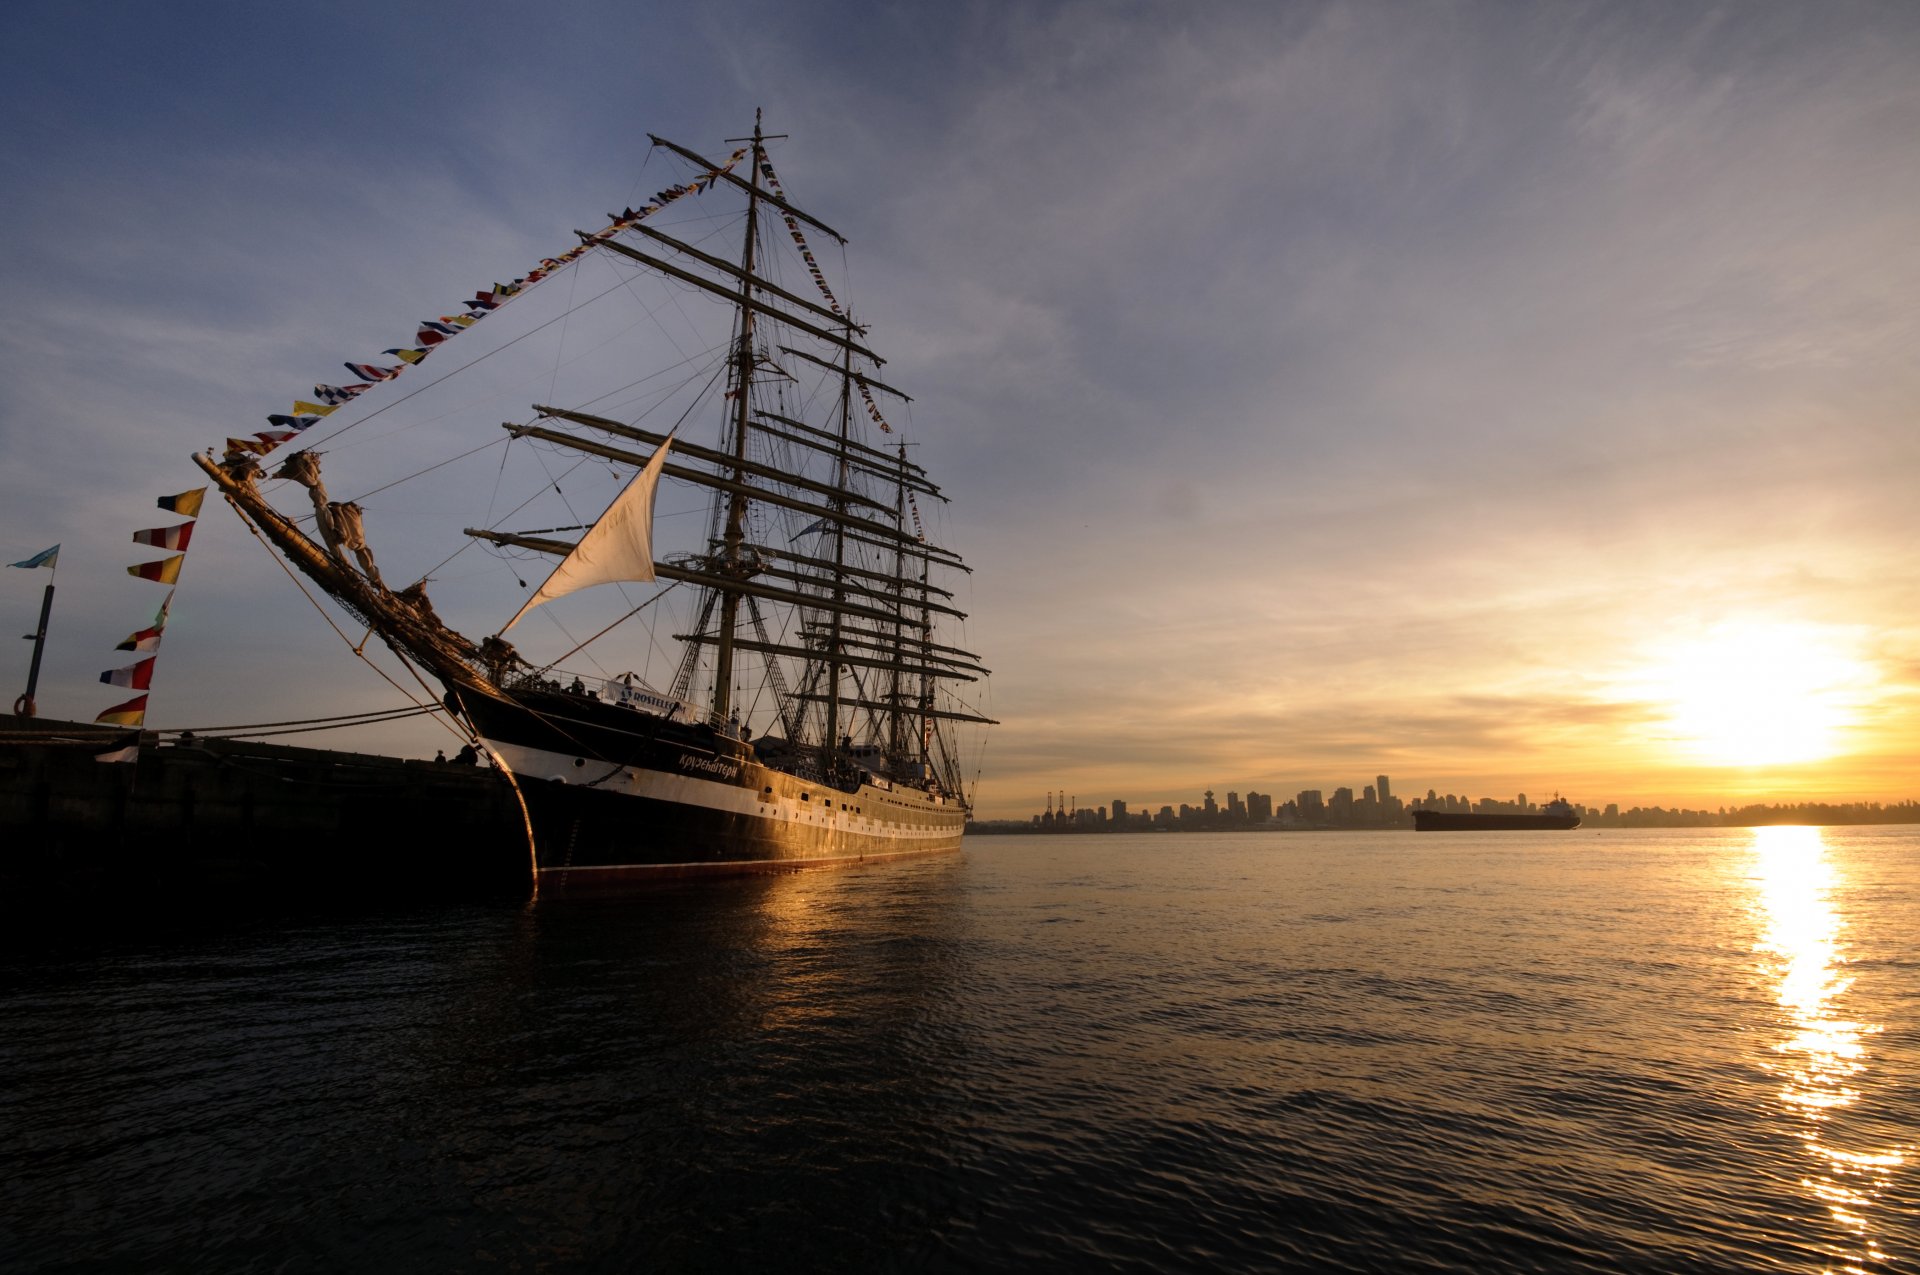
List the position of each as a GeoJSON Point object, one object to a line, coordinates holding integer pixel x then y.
{"type": "Point", "coordinates": [1557, 815]}
{"type": "Point", "coordinates": [803, 699]}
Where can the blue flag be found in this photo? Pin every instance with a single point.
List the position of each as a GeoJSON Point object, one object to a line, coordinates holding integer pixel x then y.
{"type": "Point", "coordinates": [45, 558]}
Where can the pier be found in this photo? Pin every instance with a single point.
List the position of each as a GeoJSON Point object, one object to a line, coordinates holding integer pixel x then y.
{"type": "Point", "coordinates": [220, 821]}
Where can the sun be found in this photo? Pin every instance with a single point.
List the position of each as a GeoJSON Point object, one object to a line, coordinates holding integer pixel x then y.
{"type": "Point", "coordinates": [1761, 692]}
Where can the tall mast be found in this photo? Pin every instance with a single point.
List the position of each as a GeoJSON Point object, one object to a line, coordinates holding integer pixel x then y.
{"type": "Point", "coordinates": [736, 532]}
{"type": "Point", "coordinates": [895, 733]}
{"type": "Point", "coordinates": [841, 478]}
{"type": "Point", "coordinates": [925, 699]}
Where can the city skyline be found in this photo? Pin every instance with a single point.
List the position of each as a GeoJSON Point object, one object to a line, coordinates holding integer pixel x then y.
{"type": "Point", "coordinates": [1377, 806]}
{"type": "Point", "coordinates": [1521, 399]}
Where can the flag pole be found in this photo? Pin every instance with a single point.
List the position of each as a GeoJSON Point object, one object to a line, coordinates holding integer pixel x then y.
{"type": "Point", "coordinates": [24, 706]}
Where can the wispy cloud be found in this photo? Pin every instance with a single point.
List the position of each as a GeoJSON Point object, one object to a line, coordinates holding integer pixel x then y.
{"type": "Point", "coordinates": [1316, 383]}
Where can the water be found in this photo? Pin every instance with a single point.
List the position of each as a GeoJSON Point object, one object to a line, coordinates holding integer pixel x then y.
{"type": "Point", "coordinates": [1660, 1051]}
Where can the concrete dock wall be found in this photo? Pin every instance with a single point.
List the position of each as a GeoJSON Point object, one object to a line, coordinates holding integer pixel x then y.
{"type": "Point", "coordinates": [230, 818]}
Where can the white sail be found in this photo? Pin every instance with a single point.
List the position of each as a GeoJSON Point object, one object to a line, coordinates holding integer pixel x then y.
{"type": "Point", "coordinates": [618, 547]}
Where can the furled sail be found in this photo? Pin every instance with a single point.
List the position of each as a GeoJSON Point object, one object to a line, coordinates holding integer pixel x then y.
{"type": "Point", "coordinates": [619, 547]}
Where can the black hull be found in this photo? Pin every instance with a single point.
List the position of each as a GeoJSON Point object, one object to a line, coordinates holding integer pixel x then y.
{"type": "Point", "coordinates": [1445, 821]}
{"type": "Point", "coordinates": [615, 796]}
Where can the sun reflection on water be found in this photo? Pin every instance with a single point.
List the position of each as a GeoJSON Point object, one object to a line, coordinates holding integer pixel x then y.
{"type": "Point", "coordinates": [1824, 1054]}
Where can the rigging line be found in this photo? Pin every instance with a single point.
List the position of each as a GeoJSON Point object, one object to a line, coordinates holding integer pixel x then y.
{"type": "Point", "coordinates": [419, 473]}
{"type": "Point", "coordinates": [542, 490]}
{"type": "Point", "coordinates": [428, 573]}
{"type": "Point", "coordinates": [714, 356]}
{"type": "Point", "coordinates": [698, 400]}
{"type": "Point", "coordinates": [678, 295]}
{"type": "Point", "coordinates": [462, 368]}
{"type": "Point", "coordinates": [573, 290]}
{"type": "Point", "coordinates": [963, 702]}
{"type": "Point", "coordinates": [551, 481]}
{"type": "Point", "coordinates": [308, 518]}
{"type": "Point", "coordinates": [708, 354]}
{"type": "Point", "coordinates": [498, 477]}
{"type": "Point", "coordinates": [717, 221]}
{"type": "Point", "coordinates": [278, 561]}
{"type": "Point", "coordinates": [611, 627]}
{"type": "Point", "coordinates": [540, 454]}
{"type": "Point", "coordinates": [653, 645]}
{"type": "Point", "coordinates": [846, 279]}
{"type": "Point", "coordinates": [858, 678]}
{"type": "Point", "coordinates": [613, 337]}
{"type": "Point", "coordinates": [633, 276]}
{"type": "Point", "coordinates": [717, 214]}
{"type": "Point", "coordinates": [347, 719]}
{"type": "Point", "coordinates": [307, 730]}
{"type": "Point", "coordinates": [470, 736]}
{"type": "Point", "coordinates": [609, 340]}
{"type": "Point", "coordinates": [638, 185]}
{"type": "Point", "coordinates": [568, 634]}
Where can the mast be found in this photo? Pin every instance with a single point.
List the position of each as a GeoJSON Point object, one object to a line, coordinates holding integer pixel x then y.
{"type": "Point", "coordinates": [895, 724]}
{"type": "Point", "coordinates": [858, 612]}
{"type": "Point", "coordinates": [926, 683]}
{"type": "Point", "coordinates": [736, 534]}
{"type": "Point", "coordinates": [841, 477]}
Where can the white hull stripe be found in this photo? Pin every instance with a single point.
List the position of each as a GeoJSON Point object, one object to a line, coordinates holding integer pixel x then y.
{"type": "Point", "coordinates": [827, 808]}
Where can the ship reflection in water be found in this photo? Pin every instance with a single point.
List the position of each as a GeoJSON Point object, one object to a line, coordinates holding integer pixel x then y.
{"type": "Point", "coordinates": [1824, 1059]}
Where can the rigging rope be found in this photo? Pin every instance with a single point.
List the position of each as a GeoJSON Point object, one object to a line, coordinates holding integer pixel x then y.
{"type": "Point", "coordinates": [611, 627]}
{"type": "Point", "coordinates": [820, 280]}
{"type": "Point", "coordinates": [358, 652]}
{"type": "Point", "coordinates": [450, 325]}
{"type": "Point", "coordinates": [343, 719]}
{"type": "Point", "coordinates": [450, 375]}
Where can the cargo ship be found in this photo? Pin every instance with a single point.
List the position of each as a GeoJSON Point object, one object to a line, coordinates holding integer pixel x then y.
{"type": "Point", "coordinates": [1557, 815]}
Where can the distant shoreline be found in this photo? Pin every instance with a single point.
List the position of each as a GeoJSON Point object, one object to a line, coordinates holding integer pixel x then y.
{"type": "Point", "coordinates": [1811, 814]}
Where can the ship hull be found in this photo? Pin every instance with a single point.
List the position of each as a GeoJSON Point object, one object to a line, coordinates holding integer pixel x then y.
{"type": "Point", "coordinates": [1450, 821]}
{"type": "Point", "coordinates": [616, 797]}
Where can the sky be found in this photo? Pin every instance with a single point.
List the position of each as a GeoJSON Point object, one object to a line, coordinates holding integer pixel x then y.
{"type": "Point", "coordinates": [1503, 398]}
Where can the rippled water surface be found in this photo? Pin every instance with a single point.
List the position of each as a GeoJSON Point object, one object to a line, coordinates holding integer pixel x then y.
{"type": "Point", "coordinates": [1661, 1051]}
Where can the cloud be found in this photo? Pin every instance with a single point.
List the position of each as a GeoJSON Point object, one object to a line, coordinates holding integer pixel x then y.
{"type": "Point", "coordinates": [1313, 382]}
